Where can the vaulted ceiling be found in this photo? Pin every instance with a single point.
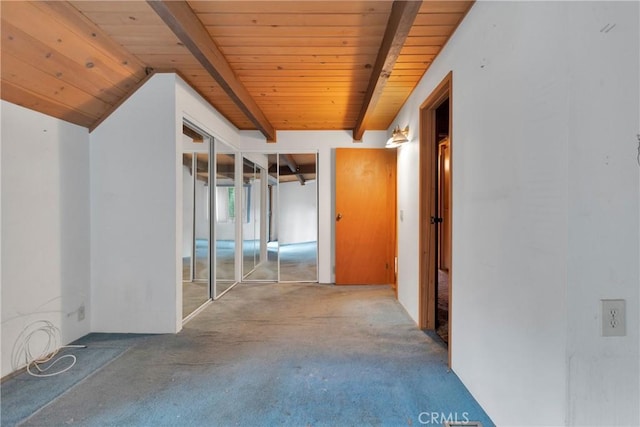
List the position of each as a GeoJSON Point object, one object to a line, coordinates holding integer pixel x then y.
{"type": "Point", "coordinates": [265, 65]}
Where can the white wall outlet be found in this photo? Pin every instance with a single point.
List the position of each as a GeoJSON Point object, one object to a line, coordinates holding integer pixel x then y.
{"type": "Point", "coordinates": [613, 318]}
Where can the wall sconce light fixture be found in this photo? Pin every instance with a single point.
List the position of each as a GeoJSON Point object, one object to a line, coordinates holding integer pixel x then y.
{"type": "Point", "coordinates": [398, 137]}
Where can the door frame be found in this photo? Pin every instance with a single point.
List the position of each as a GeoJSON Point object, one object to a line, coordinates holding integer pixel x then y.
{"type": "Point", "coordinates": [428, 265]}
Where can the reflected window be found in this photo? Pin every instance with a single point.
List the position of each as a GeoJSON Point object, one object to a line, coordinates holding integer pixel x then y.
{"type": "Point", "coordinates": [225, 204]}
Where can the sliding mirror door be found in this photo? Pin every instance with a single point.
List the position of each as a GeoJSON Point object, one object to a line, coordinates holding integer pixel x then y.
{"type": "Point", "coordinates": [259, 260]}
{"type": "Point", "coordinates": [272, 220]}
{"type": "Point", "coordinates": [280, 229]}
{"type": "Point", "coordinates": [250, 217]}
{"type": "Point", "coordinates": [188, 272]}
{"type": "Point", "coordinates": [195, 208]}
{"type": "Point", "coordinates": [298, 213]}
{"type": "Point", "coordinates": [225, 219]}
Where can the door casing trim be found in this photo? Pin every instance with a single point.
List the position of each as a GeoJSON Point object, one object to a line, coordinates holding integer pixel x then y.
{"type": "Point", "coordinates": [428, 205]}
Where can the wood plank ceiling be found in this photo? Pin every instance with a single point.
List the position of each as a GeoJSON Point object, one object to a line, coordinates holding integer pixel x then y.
{"type": "Point", "coordinates": [265, 65]}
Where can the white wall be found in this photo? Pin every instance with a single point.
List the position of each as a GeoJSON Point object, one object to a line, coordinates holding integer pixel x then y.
{"type": "Point", "coordinates": [298, 214]}
{"type": "Point", "coordinates": [45, 226]}
{"type": "Point", "coordinates": [545, 208]}
{"type": "Point", "coordinates": [324, 143]}
{"type": "Point", "coordinates": [137, 210]}
{"type": "Point", "coordinates": [135, 239]}
{"type": "Point", "coordinates": [408, 221]}
{"type": "Point", "coordinates": [603, 234]}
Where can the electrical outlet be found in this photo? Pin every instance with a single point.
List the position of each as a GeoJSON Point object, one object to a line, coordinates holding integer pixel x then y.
{"type": "Point", "coordinates": [81, 313]}
{"type": "Point", "coordinates": [613, 318]}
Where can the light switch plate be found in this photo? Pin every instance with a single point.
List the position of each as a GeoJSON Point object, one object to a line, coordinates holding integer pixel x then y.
{"type": "Point", "coordinates": [613, 318]}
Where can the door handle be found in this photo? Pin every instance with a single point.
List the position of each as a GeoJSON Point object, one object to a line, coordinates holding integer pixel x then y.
{"type": "Point", "coordinates": [338, 217]}
{"type": "Point", "coordinates": [436, 220]}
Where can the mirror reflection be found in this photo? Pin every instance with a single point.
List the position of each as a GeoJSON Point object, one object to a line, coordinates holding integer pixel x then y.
{"type": "Point", "coordinates": [195, 213]}
{"type": "Point", "coordinates": [274, 207]}
{"type": "Point", "coordinates": [260, 252]}
{"type": "Point", "coordinates": [226, 215]}
{"type": "Point", "coordinates": [281, 224]}
{"type": "Point", "coordinates": [298, 235]}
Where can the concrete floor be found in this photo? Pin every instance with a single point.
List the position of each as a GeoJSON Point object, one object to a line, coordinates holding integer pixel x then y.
{"type": "Point", "coordinates": [277, 354]}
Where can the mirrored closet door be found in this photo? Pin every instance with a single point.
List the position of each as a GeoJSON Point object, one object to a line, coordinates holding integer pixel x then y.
{"type": "Point", "coordinates": [298, 237]}
{"type": "Point", "coordinates": [280, 228]}
{"type": "Point", "coordinates": [226, 215]}
{"type": "Point", "coordinates": [259, 257]}
{"type": "Point", "coordinates": [196, 149]}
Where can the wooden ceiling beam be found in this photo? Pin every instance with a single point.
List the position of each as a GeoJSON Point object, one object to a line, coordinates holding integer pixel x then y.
{"type": "Point", "coordinates": [293, 166]}
{"type": "Point", "coordinates": [403, 13]}
{"type": "Point", "coordinates": [184, 23]}
{"type": "Point", "coordinates": [195, 136]}
{"type": "Point", "coordinates": [302, 169]}
{"type": "Point", "coordinates": [285, 170]}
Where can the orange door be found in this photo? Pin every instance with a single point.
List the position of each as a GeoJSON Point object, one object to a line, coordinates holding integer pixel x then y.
{"type": "Point", "coordinates": [365, 216]}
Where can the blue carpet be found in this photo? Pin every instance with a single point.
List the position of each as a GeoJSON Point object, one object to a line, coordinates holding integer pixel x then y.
{"type": "Point", "coordinates": [23, 395]}
{"type": "Point", "coordinates": [278, 354]}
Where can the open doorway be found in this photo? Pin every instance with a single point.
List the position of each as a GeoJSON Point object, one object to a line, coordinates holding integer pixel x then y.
{"type": "Point", "coordinates": [435, 212]}
{"type": "Point", "coordinates": [443, 222]}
